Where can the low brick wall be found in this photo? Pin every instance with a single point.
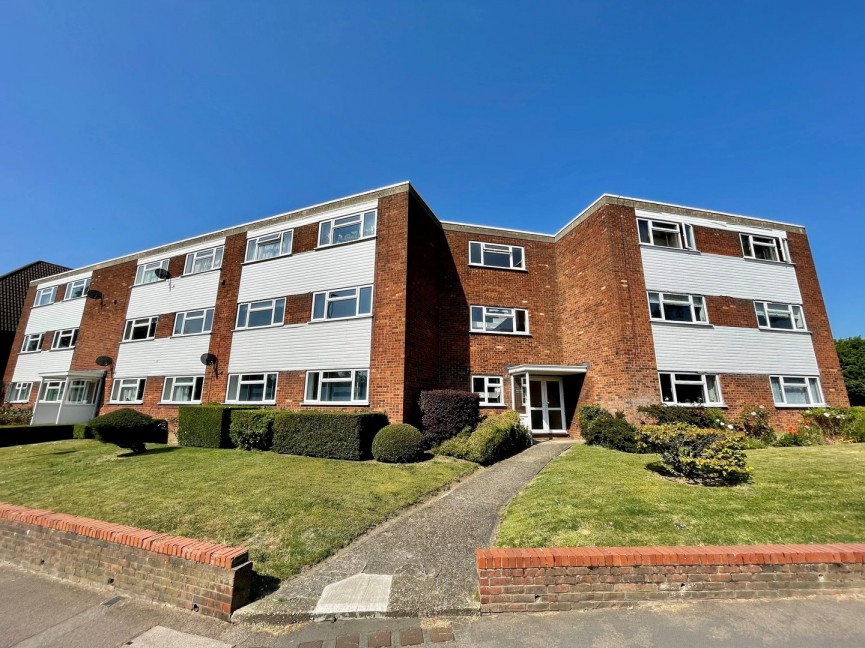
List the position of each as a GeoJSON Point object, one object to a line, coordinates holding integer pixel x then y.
{"type": "Point", "coordinates": [210, 578]}
{"type": "Point", "coordinates": [538, 580]}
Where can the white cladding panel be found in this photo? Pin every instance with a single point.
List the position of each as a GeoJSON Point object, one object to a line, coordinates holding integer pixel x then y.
{"type": "Point", "coordinates": [180, 356]}
{"type": "Point", "coordinates": [30, 365]}
{"type": "Point", "coordinates": [715, 274]}
{"type": "Point", "coordinates": [65, 280]}
{"type": "Point", "coordinates": [328, 268]}
{"type": "Point", "coordinates": [59, 315]}
{"type": "Point", "coordinates": [167, 254]}
{"type": "Point", "coordinates": [341, 344]}
{"type": "Point", "coordinates": [726, 349]}
{"type": "Point", "coordinates": [173, 295]}
{"type": "Point", "coordinates": [315, 218]}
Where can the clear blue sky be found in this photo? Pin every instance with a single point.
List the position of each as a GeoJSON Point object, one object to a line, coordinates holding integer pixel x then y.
{"type": "Point", "coordinates": [124, 125]}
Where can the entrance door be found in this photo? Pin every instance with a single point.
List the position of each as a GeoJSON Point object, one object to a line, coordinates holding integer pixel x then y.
{"type": "Point", "coordinates": [546, 405]}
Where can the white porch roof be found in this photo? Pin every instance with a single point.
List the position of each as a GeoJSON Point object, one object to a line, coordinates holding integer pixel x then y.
{"type": "Point", "coordinates": [548, 370]}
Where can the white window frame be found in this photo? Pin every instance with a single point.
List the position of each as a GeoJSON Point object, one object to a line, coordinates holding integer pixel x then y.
{"type": "Point", "coordinates": [812, 386]}
{"type": "Point", "coordinates": [685, 232]}
{"type": "Point", "coordinates": [147, 271]}
{"type": "Point", "coordinates": [285, 239]}
{"type": "Point", "coordinates": [776, 243]}
{"type": "Point", "coordinates": [703, 381]}
{"type": "Point", "coordinates": [246, 308]}
{"type": "Point", "coordinates": [71, 334]}
{"type": "Point", "coordinates": [326, 297]}
{"type": "Point", "coordinates": [489, 382]}
{"type": "Point", "coordinates": [131, 324]}
{"type": "Point", "coordinates": [120, 384]}
{"type": "Point", "coordinates": [794, 311]}
{"type": "Point", "coordinates": [172, 382]}
{"type": "Point", "coordinates": [29, 338]}
{"type": "Point", "coordinates": [42, 293]}
{"type": "Point", "coordinates": [59, 385]}
{"type": "Point", "coordinates": [17, 393]}
{"type": "Point", "coordinates": [72, 286]}
{"type": "Point", "coordinates": [512, 314]}
{"type": "Point", "coordinates": [368, 221]}
{"type": "Point", "coordinates": [214, 255]}
{"type": "Point", "coordinates": [312, 391]}
{"type": "Point", "coordinates": [235, 381]}
{"type": "Point", "coordinates": [498, 248]}
{"type": "Point", "coordinates": [697, 304]}
{"type": "Point", "coordinates": [87, 395]}
{"type": "Point", "coordinates": [181, 319]}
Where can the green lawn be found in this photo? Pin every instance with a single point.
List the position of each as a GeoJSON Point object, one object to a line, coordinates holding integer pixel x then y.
{"type": "Point", "coordinates": [595, 496]}
{"type": "Point", "coordinates": [290, 511]}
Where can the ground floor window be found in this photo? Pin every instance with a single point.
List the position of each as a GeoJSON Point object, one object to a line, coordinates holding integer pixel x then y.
{"type": "Point", "coordinates": [344, 386]}
{"type": "Point", "coordinates": [182, 389]}
{"type": "Point", "coordinates": [81, 392]}
{"type": "Point", "coordinates": [128, 390]}
{"type": "Point", "coordinates": [796, 391]}
{"type": "Point", "coordinates": [690, 389]}
{"type": "Point", "coordinates": [51, 391]}
{"type": "Point", "coordinates": [489, 388]}
{"type": "Point", "coordinates": [19, 392]}
{"type": "Point", "coordinates": [251, 388]}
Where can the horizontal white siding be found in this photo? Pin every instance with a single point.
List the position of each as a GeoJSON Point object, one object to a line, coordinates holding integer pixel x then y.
{"type": "Point", "coordinates": [65, 280]}
{"type": "Point", "coordinates": [31, 365]}
{"type": "Point", "coordinates": [342, 344]}
{"type": "Point", "coordinates": [725, 349]}
{"type": "Point", "coordinates": [334, 267]}
{"type": "Point", "coordinates": [315, 218]}
{"type": "Point", "coordinates": [173, 295]}
{"type": "Point", "coordinates": [183, 250]}
{"type": "Point", "coordinates": [59, 315]}
{"type": "Point", "coordinates": [179, 356]}
{"type": "Point", "coordinates": [711, 223]}
{"type": "Point", "coordinates": [715, 274]}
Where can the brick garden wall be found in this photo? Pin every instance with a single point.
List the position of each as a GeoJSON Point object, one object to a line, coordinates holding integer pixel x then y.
{"type": "Point", "coordinates": [205, 577]}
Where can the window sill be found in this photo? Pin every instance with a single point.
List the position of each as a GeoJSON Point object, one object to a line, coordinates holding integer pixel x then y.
{"type": "Point", "coordinates": [43, 305]}
{"type": "Point", "coordinates": [690, 324]}
{"type": "Point", "coordinates": [502, 333]}
{"type": "Point", "coordinates": [767, 261]}
{"type": "Point", "coordinates": [775, 330]}
{"type": "Point", "coordinates": [136, 341]}
{"type": "Point", "coordinates": [29, 352]}
{"type": "Point", "coordinates": [339, 319]}
{"type": "Point", "coordinates": [336, 403]}
{"type": "Point", "coordinates": [704, 405]}
{"type": "Point", "coordinates": [72, 298]}
{"type": "Point", "coordinates": [785, 406]}
{"type": "Point", "coordinates": [192, 274]}
{"type": "Point", "coordinates": [487, 267]}
{"type": "Point", "coordinates": [185, 335]}
{"type": "Point", "coordinates": [491, 405]}
{"type": "Point", "coordinates": [357, 240]}
{"type": "Point", "coordinates": [274, 258]}
{"type": "Point", "coordinates": [72, 348]}
{"type": "Point", "coordinates": [265, 402]}
{"type": "Point", "coordinates": [196, 402]}
{"type": "Point", "coordinates": [670, 249]}
{"type": "Point", "coordinates": [150, 283]}
{"type": "Point", "coordinates": [137, 402]}
{"type": "Point", "coordinates": [258, 328]}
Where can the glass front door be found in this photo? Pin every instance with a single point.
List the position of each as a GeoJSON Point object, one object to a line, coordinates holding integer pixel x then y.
{"type": "Point", "coordinates": [546, 405]}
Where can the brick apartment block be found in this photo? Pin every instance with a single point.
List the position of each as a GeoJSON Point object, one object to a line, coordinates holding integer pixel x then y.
{"type": "Point", "coordinates": [365, 301]}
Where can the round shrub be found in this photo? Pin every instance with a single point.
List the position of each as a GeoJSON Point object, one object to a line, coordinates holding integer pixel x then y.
{"type": "Point", "coordinates": [398, 443]}
{"type": "Point", "coordinates": [124, 428]}
{"type": "Point", "coordinates": [613, 432]}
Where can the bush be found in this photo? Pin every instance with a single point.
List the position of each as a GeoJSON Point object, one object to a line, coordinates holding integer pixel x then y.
{"type": "Point", "coordinates": [833, 423]}
{"type": "Point", "coordinates": [588, 413]}
{"type": "Point", "coordinates": [252, 429]}
{"type": "Point", "coordinates": [398, 443]}
{"type": "Point", "coordinates": [206, 426]}
{"type": "Point", "coordinates": [857, 429]}
{"type": "Point", "coordinates": [614, 432]}
{"type": "Point", "coordinates": [14, 414]}
{"type": "Point", "coordinates": [12, 435]}
{"type": "Point", "coordinates": [332, 435]}
{"type": "Point", "coordinates": [497, 437]}
{"type": "Point", "coordinates": [445, 412]}
{"type": "Point", "coordinates": [701, 417]}
{"type": "Point", "coordinates": [801, 437]}
{"type": "Point", "coordinates": [753, 422]}
{"type": "Point", "coordinates": [125, 428]}
{"type": "Point", "coordinates": [712, 456]}
{"type": "Point", "coordinates": [82, 431]}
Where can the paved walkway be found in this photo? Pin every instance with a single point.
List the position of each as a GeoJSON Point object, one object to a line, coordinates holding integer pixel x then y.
{"type": "Point", "coordinates": [429, 553]}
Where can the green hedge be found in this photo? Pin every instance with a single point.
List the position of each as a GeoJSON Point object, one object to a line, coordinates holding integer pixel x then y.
{"type": "Point", "coordinates": [398, 443]}
{"type": "Point", "coordinates": [205, 426]}
{"type": "Point", "coordinates": [252, 429]}
{"type": "Point", "coordinates": [497, 437]}
{"type": "Point", "coordinates": [12, 435]}
{"type": "Point", "coordinates": [332, 435]}
{"type": "Point", "coordinates": [82, 431]}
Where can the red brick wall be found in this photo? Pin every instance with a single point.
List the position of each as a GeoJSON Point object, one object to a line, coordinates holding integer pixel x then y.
{"type": "Point", "coordinates": [730, 311]}
{"type": "Point", "coordinates": [711, 240]}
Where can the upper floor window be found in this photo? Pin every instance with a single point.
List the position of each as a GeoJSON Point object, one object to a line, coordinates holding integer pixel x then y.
{"type": "Point", "coordinates": [493, 255]}
{"type": "Point", "coordinates": [489, 388]}
{"type": "Point", "coordinates": [143, 328]}
{"type": "Point", "coordinates": [32, 343]}
{"type": "Point", "coordinates": [64, 339]}
{"type": "Point", "coordinates": [184, 389]}
{"type": "Point", "coordinates": [193, 322]}
{"type": "Point", "coordinates": [340, 304]}
{"type": "Point", "coordinates": [128, 390]}
{"type": "Point", "coordinates": [251, 388]}
{"type": "Point", "coordinates": [51, 391]}
{"type": "Point", "coordinates": [346, 229]}
{"type": "Point", "coordinates": [147, 272]}
{"type": "Point", "coordinates": [767, 248]}
{"type": "Point", "coordinates": [796, 391]}
{"type": "Point", "coordinates": [670, 307]}
{"type": "Point", "coordinates": [344, 386]}
{"type": "Point", "coordinates": [269, 246]}
{"type": "Point", "coordinates": [76, 289]}
{"type": "Point", "coordinates": [787, 317]}
{"type": "Point", "coordinates": [203, 260]}
{"type": "Point", "coordinates": [690, 389]}
{"type": "Point", "coordinates": [19, 392]}
{"type": "Point", "coordinates": [269, 312]}
{"type": "Point", "coordinates": [666, 234]}
{"type": "Point", "coordinates": [45, 296]}
{"type": "Point", "coordinates": [491, 319]}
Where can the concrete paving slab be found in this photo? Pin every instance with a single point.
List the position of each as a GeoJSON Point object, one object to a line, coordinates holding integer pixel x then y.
{"type": "Point", "coordinates": [361, 594]}
{"type": "Point", "coordinates": [161, 637]}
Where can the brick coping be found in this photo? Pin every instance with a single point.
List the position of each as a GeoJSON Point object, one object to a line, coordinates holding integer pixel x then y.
{"type": "Point", "coordinates": [651, 556]}
{"type": "Point", "coordinates": [208, 553]}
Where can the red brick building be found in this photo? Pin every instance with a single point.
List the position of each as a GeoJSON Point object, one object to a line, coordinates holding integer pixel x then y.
{"type": "Point", "coordinates": [365, 301]}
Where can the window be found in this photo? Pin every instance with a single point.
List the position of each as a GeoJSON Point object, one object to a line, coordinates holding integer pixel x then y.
{"type": "Point", "coordinates": [203, 260]}
{"type": "Point", "coordinates": [19, 392]}
{"type": "Point", "coordinates": [193, 322]}
{"type": "Point", "coordinates": [251, 388]}
{"type": "Point", "coordinates": [493, 255]}
{"type": "Point", "coordinates": [128, 390]}
{"type": "Point", "coordinates": [146, 272]}
{"type": "Point", "coordinates": [45, 296]}
{"type": "Point", "coordinates": [690, 389]}
{"type": "Point", "coordinates": [669, 307]}
{"type": "Point", "coordinates": [81, 392]}
{"type": "Point", "coordinates": [339, 304]}
{"type": "Point", "coordinates": [666, 234]}
{"type": "Point", "coordinates": [767, 248]}
{"type": "Point", "coordinates": [77, 289]}
{"type": "Point", "coordinates": [787, 317]}
{"type": "Point", "coordinates": [185, 389]}
{"type": "Point", "coordinates": [346, 386]}
{"type": "Point", "coordinates": [143, 328]}
{"type": "Point", "coordinates": [64, 339]}
{"type": "Point", "coordinates": [796, 391]}
{"type": "Point", "coordinates": [489, 388]}
{"type": "Point", "coordinates": [489, 319]}
{"type": "Point", "coordinates": [346, 229]}
{"type": "Point", "coordinates": [32, 343]}
{"type": "Point", "coordinates": [51, 391]}
{"type": "Point", "coordinates": [262, 313]}
{"type": "Point", "coordinates": [269, 246]}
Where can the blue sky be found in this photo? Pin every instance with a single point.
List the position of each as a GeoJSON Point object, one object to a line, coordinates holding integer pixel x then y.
{"type": "Point", "coordinates": [125, 125]}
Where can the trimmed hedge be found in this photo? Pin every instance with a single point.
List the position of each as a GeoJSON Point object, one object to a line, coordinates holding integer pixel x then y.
{"type": "Point", "coordinates": [445, 412]}
{"type": "Point", "coordinates": [398, 443]}
{"type": "Point", "coordinates": [206, 426]}
{"type": "Point", "coordinates": [252, 429]}
{"type": "Point", "coordinates": [127, 428]}
{"type": "Point", "coordinates": [12, 435]}
{"type": "Point", "coordinates": [82, 431]}
{"type": "Point", "coordinates": [497, 437]}
{"type": "Point", "coordinates": [330, 435]}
